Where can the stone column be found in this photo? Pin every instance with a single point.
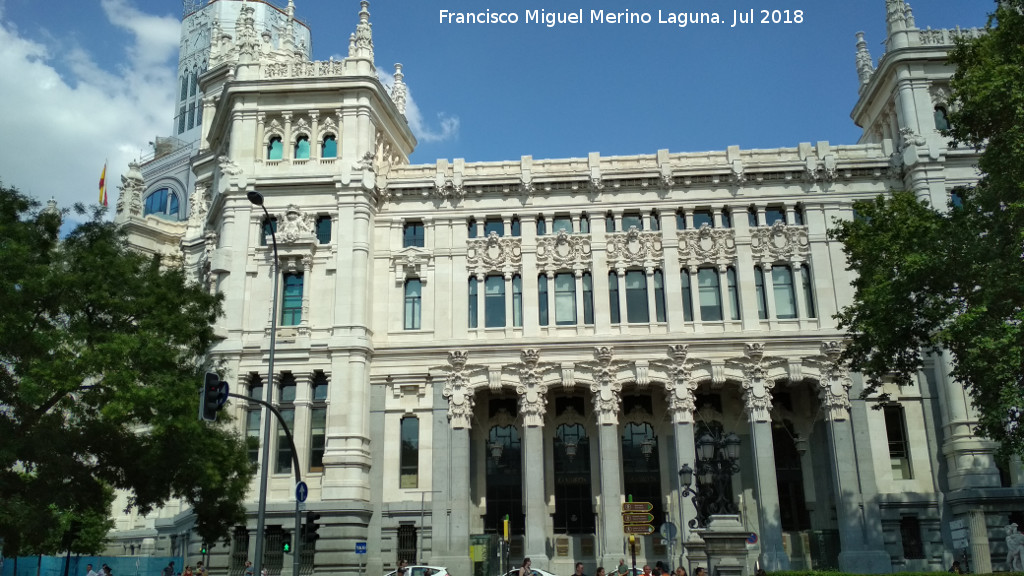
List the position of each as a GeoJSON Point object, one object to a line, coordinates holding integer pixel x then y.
{"type": "Point", "coordinates": [757, 397]}
{"type": "Point", "coordinates": [679, 396]}
{"type": "Point", "coordinates": [532, 407]}
{"type": "Point", "coordinates": [607, 402]}
{"type": "Point", "coordinates": [981, 554]}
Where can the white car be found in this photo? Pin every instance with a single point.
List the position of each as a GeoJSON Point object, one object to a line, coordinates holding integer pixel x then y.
{"type": "Point", "coordinates": [422, 571]}
{"type": "Point", "coordinates": [533, 572]}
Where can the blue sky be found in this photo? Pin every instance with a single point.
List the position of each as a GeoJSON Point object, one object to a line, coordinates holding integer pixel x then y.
{"type": "Point", "coordinates": [86, 80]}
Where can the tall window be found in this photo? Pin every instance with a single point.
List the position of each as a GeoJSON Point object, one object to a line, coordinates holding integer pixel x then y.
{"type": "Point", "coordinates": [941, 118]}
{"type": "Point", "coordinates": [702, 217]}
{"type": "Point", "coordinates": [323, 229]}
{"type": "Point", "coordinates": [291, 303]}
{"type": "Point", "coordinates": [471, 227]}
{"type": "Point", "coordinates": [302, 148]}
{"type": "Point", "coordinates": [413, 303]}
{"type": "Point", "coordinates": [181, 119]}
{"type": "Point", "coordinates": [655, 220]}
{"type": "Point", "coordinates": [542, 226]}
{"type": "Point", "coordinates": [409, 457]}
{"type": "Point", "coordinates": [762, 297]}
{"type": "Point", "coordinates": [584, 224]}
{"type": "Point", "coordinates": [709, 292]}
{"type": "Point", "coordinates": [504, 479]}
{"type": "Point", "coordinates": [542, 299]}
{"type": "Point", "coordinates": [680, 219]}
{"type": "Point", "coordinates": [517, 300]}
{"type": "Point", "coordinates": [329, 149]}
{"type": "Point", "coordinates": [412, 234]}
{"type": "Point", "coordinates": [899, 447]}
{"type": "Point", "coordinates": [561, 224]}
{"type": "Point", "coordinates": [910, 537]}
{"type": "Point", "coordinates": [726, 219]}
{"type": "Point", "coordinates": [613, 297]}
{"type": "Point", "coordinates": [659, 296]}
{"type": "Point", "coordinates": [808, 290]}
{"type": "Point", "coordinates": [184, 87]}
{"type": "Point", "coordinates": [632, 220]}
{"type": "Point", "coordinates": [286, 405]}
{"type": "Point", "coordinates": [636, 297]}
{"type": "Point", "coordinates": [494, 225]}
{"type": "Point", "coordinates": [252, 418]}
{"type": "Point", "coordinates": [472, 304]}
{"type": "Point", "coordinates": [640, 461]}
{"type": "Point", "coordinates": [588, 298]}
{"type": "Point", "coordinates": [734, 293]}
{"type": "Point", "coordinates": [517, 227]}
{"type": "Point", "coordinates": [684, 276]}
{"type": "Point", "coordinates": [267, 228]}
{"type": "Point", "coordinates": [275, 149]}
{"type": "Point", "coordinates": [798, 215]}
{"type": "Point", "coordinates": [191, 115]}
{"type": "Point", "coordinates": [565, 299]}
{"type": "Point", "coordinates": [494, 302]}
{"type": "Point", "coordinates": [574, 508]}
{"type": "Point", "coordinates": [163, 203]}
{"type": "Point", "coordinates": [785, 297]}
{"type": "Point", "coordinates": [609, 222]}
{"type": "Point", "coordinates": [752, 217]}
{"type": "Point", "coordinates": [318, 423]}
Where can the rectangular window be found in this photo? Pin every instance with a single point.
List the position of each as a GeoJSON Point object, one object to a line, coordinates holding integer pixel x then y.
{"type": "Point", "coordinates": [584, 224]}
{"type": "Point", "coordinates": [709, 292]}
{"type": "Point", "coordinates": [181, 120]}
{"type": "Point", "coordinates": [472, 304]}
{"type": "Point", "coordinates": [199, 114]}
{"type": "Point", "coordinates": [407, 540]}
{"type": "Point", "coordinates": [655, 220]}
{"type": "Point", "coordinates": [323, 229]}
{"type": "Point", "coordinates": [636, 297]}
{"type": "Point", "coordinates": [291, 303]}
{"type": "Point", "coordinates": [808, 290]}
{"type": "Point", "coordinates": [588, 298]}
{"type": "Point", "coordinates": [632, 220]}
{"type": "Point", "coordinates": [561, 224]}
{"type": "Point", "coordinates": [609, 222]}
{"type": "Point", "coordinates": [565, 299]}
{"type": "Point", "coordinates": [680, 220]}
{"type": "Point", "coordinates": [785, 299]}
{"type": "Point", "coordinates": [410, 453]}
{"type": "Point", "coordinates": [726, 219]}
{"type": "Point", "coordinates": [317, 438]}
{"type": "Point", "coordinates": [910, 536]}
{"type": "Point", "coordinates": [734, 293]}
{"type": "Point", "coordinates": [517, 300]}
{"type": "Point", "coordinates": [773, 215]}
{"type": "Point", "coordinates": [413, 303]}
{"type": "Point", "coordinates": [284, 449]}
{"type": "Point", "coordinates": [659, 296]}
{"type": "Point", "coordinates": [412, 234]}
{"type": "Point", "coordinates": [798, 216]}
{"type": "Point", "coordinates": [191, 115]}
{"type": "Point", "coordinates": [684, 276]}
{"type": "Point", "coordinates": [899, 448]}
{"type": "Point", "coordinates": [762, 297]}
{"type": "Point", "coordinates": [542, 226]}
{"type": "Point", "coordinates": [252, 431]}
{"type": "Point", "coordinates": [471, 230]}
{"type": "Point", "coordinates": [702, 217]}
{"type": "Point", "coordinates": [542, 299]}
{"type": "Point", "coordinates": [494, 302]}
{"type": "Point", "coordinates": [752, 217]}
{"type": "Point", "coordinates": [267, 229]}
{"type": "Point", "coordinates": [494, 225]}
{"type": "Point", "coordinates": [613, 297]}
{"type": "Point", "coordinates": [517, 227]}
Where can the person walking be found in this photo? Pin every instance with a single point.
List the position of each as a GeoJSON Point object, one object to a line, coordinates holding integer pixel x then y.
{"type": "Point", "coordinates": [525, 569]}
{"type": "Point", "coordinates": [579, 570]}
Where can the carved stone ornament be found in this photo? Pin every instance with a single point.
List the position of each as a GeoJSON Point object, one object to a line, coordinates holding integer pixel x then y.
{"type": "Point", "coordinates": [835, 383]}
{"type": "Point", "coordinates": [532, 390]}
{"type": "Point", "coordinates": [228, 166]}
{"type": "Point", "coordinates": [131, 191]}
{"type": "Point", "coordinates": [779, 243]}
{"type": "Point", "coordinates": [681, 387]}
{"type": "Point", "coordinates": [295, 226]}
{"type": "Point", "coordinates": [757, 384]}
{"type": "Point", "coordinates": [412, 262]}
{"type": "Point", "coordinates": [605, 386]}
{"type": "Point", "coordinates": [199, 204]}
{"type": "Point", "coordinates": [458, 390]}
{"type": "Point", "coordinates": [707, 245]}
{"type": "Point", "coordinates": [563, 251]}
{"type": "Point", "coordinates": [494, 254]}
{"type": "Point", "coordinates": [635, 248]}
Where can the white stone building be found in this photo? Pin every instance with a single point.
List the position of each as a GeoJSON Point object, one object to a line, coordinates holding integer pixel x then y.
{"type": "Point", "coordinates": [462, 341]}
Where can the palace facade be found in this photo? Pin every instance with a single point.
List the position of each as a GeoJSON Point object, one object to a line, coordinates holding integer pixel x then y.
{"type": "Point", "coordinates": [463, 342]}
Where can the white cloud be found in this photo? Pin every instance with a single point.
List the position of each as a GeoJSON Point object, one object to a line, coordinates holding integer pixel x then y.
{"type": "Point", "coordinates": [446, 128]}
{"type": "Point", "coordinates": [60, 127]}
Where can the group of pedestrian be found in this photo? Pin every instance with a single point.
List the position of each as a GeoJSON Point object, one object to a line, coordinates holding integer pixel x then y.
{"type": "Point", "coordinates": [660, 569]}
{"type": "Point", "coordinates": [104, 571]}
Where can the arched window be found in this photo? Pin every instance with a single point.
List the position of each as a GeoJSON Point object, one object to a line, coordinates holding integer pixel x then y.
{"type": "Point", "coordinates": [194, 83]}
{"type": "Point", "coordinates": [302, 148]}
{"type": "Point", "coordinates": [709, 292]}
{"type": "Point", "coordinates": [636, 297]}
{"type": "Point", "coordinates": [184, 87]}
{"type": "Point", "coordinates": [275, 149]}
{"type": "Point", "coordinates": [542, 299]}
{"type": "Point", "coordinates": [752, 217]}
{"type": "Point", "coordinates": [785, 295]}
{"type": "Point", "coordinates": [762, 297]}
{"type": "Point", "coordinates": [941, 118]}
{"type": "Point", "coordinates": [517, 227]}
{"type": "Point", "coordinates": [640, 462]}
{"type": "Point", "coordinates": [574, 507]}
{"type": "Point", "coordinates": [494, 302]}
{"type": "Point", "coordinates": [726, 218]}
{"type": "Point", "coordinates": [163, 203]}
{"type": "Point", "coordinates": [413, 303]}
{"type": "Point", "coordinates": [798, 215]}
{"type": "Point", "coordinates": [329, 149]}
{"type": "Point", "coordinates": [655, 220]}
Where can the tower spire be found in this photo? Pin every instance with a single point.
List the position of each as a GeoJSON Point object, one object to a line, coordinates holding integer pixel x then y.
{"type": "Point", "coordinates": [364, 33]}
{"type": "Point", "coordinates": [865, 65]}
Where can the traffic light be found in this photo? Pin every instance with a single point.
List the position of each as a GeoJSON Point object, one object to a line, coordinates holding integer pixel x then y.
{"type": "Point", "coordinates": [203, 549]}
{"type": "Point", "coordinates": [212, 397]}
{"type": "Point", "coordinates": [309, 530]}
{"type": "Point", "coordinates": [286, 543]}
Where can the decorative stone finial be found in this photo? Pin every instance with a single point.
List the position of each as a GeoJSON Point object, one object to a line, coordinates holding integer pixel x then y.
{"type": "Point", "coordinates": [364, 33]}
{"type": "Point", "coordinates": [399, 92]}
{"type": "Point", "coordinates": [865, 65]}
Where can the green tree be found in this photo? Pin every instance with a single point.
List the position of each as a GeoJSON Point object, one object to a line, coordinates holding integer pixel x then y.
{"type": "Point", "coordinates": [954, 278]}
{"type": "Point", "coordinates": [102, 352]}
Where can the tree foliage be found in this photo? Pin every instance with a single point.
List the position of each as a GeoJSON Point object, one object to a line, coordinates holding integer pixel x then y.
{"type": "Point", "coordinates": [953, 277]}
{"type": "Point", "coordinates": [102, 352]}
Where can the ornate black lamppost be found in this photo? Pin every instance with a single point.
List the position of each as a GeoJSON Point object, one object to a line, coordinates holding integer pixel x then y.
{"type": "Point", "coordinates": [717, 454]}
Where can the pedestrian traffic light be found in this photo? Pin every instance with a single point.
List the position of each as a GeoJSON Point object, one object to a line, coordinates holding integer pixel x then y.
{"type": "Point", "coordinates": [309, 530]}
{"type": "Point", "coordinates": [212, 397]}
{"type": "Point", "coordinates": [203, 549]}
{"type": "Point", "coordinates": [286, 543]}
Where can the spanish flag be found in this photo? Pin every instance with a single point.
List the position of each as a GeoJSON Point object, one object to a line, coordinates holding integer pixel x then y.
{"type": "Point", "coordinates": [102, 186]}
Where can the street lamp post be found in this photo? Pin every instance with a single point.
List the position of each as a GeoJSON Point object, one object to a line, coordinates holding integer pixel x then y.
{"type": "Point", "coordinates": [685, 481]}
{"type": "Point", "coordinates": [717, 456]}
{"type": "Point", "coordinates": [261, 512]}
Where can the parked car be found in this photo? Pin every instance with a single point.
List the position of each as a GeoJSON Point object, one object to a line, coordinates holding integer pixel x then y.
{"type": "Point", "coordinates": [533, 572]}
{"type": "Point", "coordinates": [422, 571]}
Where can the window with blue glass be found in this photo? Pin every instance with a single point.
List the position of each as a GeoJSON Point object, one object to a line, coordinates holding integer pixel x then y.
{"type": "Point", "coordinates": [941, 118]}
{"type": "Point", "coordinates": [762, 296]}
{"type": "Point", "coordinates": [291, 303]}
{"type": "Point", "coordinates": [302, 148]}
{"type": "Point", "coordinates": [561, 224]}
{"type": "Point", "coordinates": [774, 214]}
{"type": "Point", "coordinates": [734, 292]}
{"type": "Point", "coordinates": [494, 225]}
{"type": "Point", "coordinates": [609, 222]}
{"type": "Point", "coordinates": [680, 219]}
{"type": "Point", "coordinates": [702, 217]}
{"type": "Point", "coordinates": [323, 229]}
{"type": "Point", "coordinates": [191, 115]}
{"type": "Point", "coordinates": [471, 307]}
{"type": "Point", "coordinates": [709, 292]}
{"type": "Point", "coordinates": [329, 149]}
{"type": "Point", "coordinates": [659, 296]}
{"type": "Point", "coordinates": [632, 220]}
{"type": "Point", "coordinates": [785, 295]}
{"type": "Point", "coordinates": [471, 227]}
{"type": "Point", "coordinates": [613, 297]}
{"type": "Point", "coordinates": [684, 276]}
{"type": "Point", "coordinates": [542, 299]}
{"type": "Point", "coordinates": [413, 303]}
{"type": "Point", "coordinates": [275, 149]}
{"type": "Point", "coordinates": [412, 234]}
{"type": "Point", "coordinates": [494, 302]}
{"type": "Point", "coordinates": [636, 297]}
{"type": "Point", "coordinates": [517, 300]}
{"type": "Point", "coordinates": [542, 226]}
{"type": "Point", "coordinates": [162, 203]}
{"type": "Point", "coordinates": [184, 87]}
{"type": "Point", "coordinates": [798, 215]}
{"type": "Point", "coordinates": [517, 227]}
{"type": "Point", "coordinates": [584, 224]}
{"type": "Point", "coordinates": [267, 227]}
{"type": "Point", "coordinates": [752, 217]}
{"type": "Point", "coordinates": [588, 298]}
{"type": "Point", "coordinates": [655, 220]}
{"type": "Point", "coordinates": [726, 219]}
{"type": "Point", "coordinates": [565, 299]}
